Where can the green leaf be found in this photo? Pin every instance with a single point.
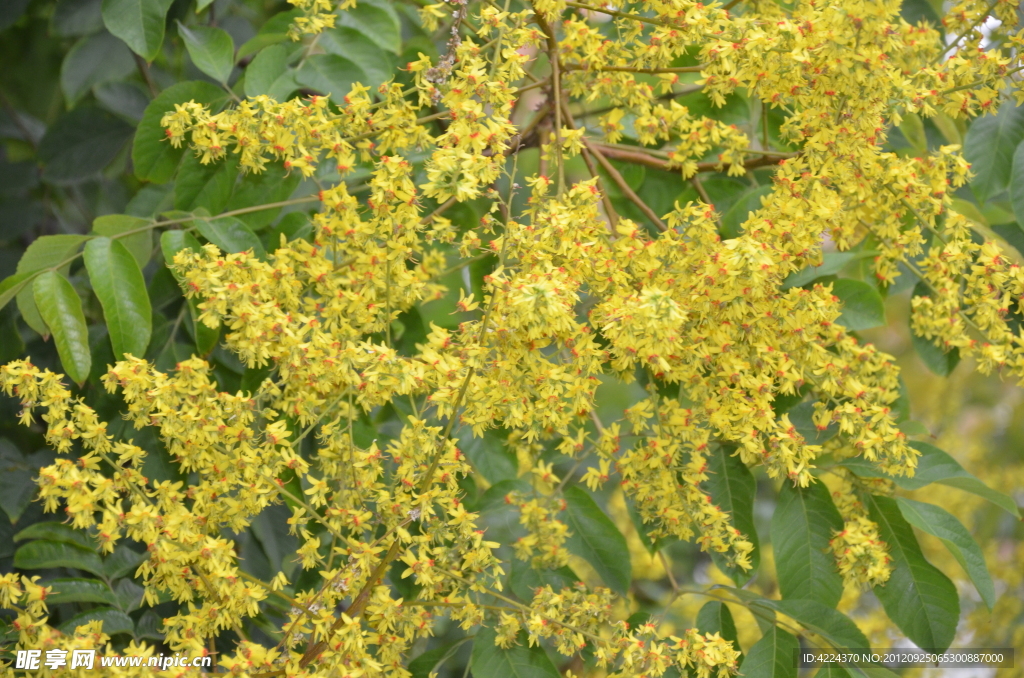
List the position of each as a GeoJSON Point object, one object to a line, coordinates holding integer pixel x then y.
{"type": "Point", "coordinates": [921, 600]}
{"type": "Point", "coordinates": [377, 21]}
{"type": "Point", "coordinates": [61, 310]}
{"type": "Point", "coordinates": [274, 30]}
{"type": "Point", "coordinates": [171, 242]}
{"type": "Point", "coordinates": [874, 671]}
{"type": "Point", "coordinates": [114, 621]}
{"type": "Point", "coordinates": [490, 661]}
{"type": "Point", "coordinates": [208, 186]}
{"type": "Point", "coordinates": [524, 579]}
{"type": "Point", "coordinates": [16, 486]}
{"type": "Point", "coordinates": [488, 454]}
{"type": "Point", "coordinates": [38, 555]}
{"type": "Point", "coordinates": [125, 99]}
{"type": "Point", "coordinates": [139, 244]}
{"type": "Point", "coordinates": [913, 428]}
{"type": "Point", "coordinates": [830, 670]}
{"type": "Point", "coordinates": [802, 527]}
{"type": "Point", "coordinates": [140, 23]}
{"type": "Point", "coordinates": [772, 656]}
{"type": "Point", "coordinates": [277, 544]}
{"type": "Point", "coordinates": [969, 210]}
{"type": "Point", "coordinates": [121, 289]}
{"type": "Point", "coordinates": [80, 144]}
{"type": "Point", "coordinates": [11, 11]}
{"type": "Point", "coordinates": [915, 11]}
{"type": "Point", "coordinates": [129, 595]}
{"type": "Point", "coordinates": [940, 523]}
{"type": "Point", "coordinates": [231, 235]}
{"type": "Point", "coordinates": [863, 307]}
{"type": "Point", "coordinates": [59, 532]}
{"type": "Point", "coordinates": [802, 418]}
{"type": "Point", "coordinates": [330, 74]}
{"type": "Point", "coordinates": [969, 483]}
{"type": "Point", "coordinates": [48, 251]}
{"type": "Point", "coordinates": [122, 562]}
{"type": "Point", "coordinates": [274, 184]}
{"type": "Point", "coordinates": [643, 531]}
{"type": "Point", "coordinates": [424, 664]}
{"type": "Point", "coordinates": [901, 408]}
{"type": "Point", "coordinates": [259, 42]}
{"type": "Point", "coordinates": [264, 74]}
{"type": "Point", "coordinates": [912, 128]}
{"type": "Point", "coordinates": [151, 200]}
{"type": "Point", "coordinates": [45, 252]}
{"type": "Point", "coordinates": [715, 617]}
{"type": "Point", "coordinates": [732, 487]}
{"type": "Point", "coordinates": [76, 17]}
{"type": "Point", "coordinates": [1017, 183]}
{"type": "Point", "coordinates": [830, 624]}
{"type": "Point", "coordinates": [80, 591]}
{"type": "Point", "coordinates": [94, 60]}
{"type": "Point", "coordinates": [212, 50]}
{"type": "Point", "coordinates": [999, 213]}
{"type": "Point", "coordinates": [989, 148]}
{"type": "Point", "coordinates": [13, 284]}
{"type": "Point", "coordinates": [936, 466]}
{"type": "Point", "coordinates": [739, 212]}
{"type": "Point", "coordinates": [153, 156]}
{"type": "Point", "coordinates": [378, 64]}
{"type": "Point", "coordinates": [596, 539]}
{"type": "Point", "coordinates": [150, 625]}
{"type": "Point", "coordinates": [935, 359]}
{"type": "Point", "coordinates": [831, 264]}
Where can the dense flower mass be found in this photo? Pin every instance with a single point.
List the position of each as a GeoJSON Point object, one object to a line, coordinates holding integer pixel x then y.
{"type": "Point", "coordinates": [578, 295]}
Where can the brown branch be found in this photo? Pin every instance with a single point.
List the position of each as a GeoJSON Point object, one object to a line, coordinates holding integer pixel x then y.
{"type": "Point", "coordinates": [441, 209]}
{"type": "Point", "coordinates": [688, 89]}
{"type": "Point", "coordinates": [700, 191]}
{"type": "Point", "coordinates": [358, 604]}
{"type": "Point", "coordinates": [642, 19]}
{"type": "Point", "coordinates": [628, 69]}
{"type": "Point", "coordinates": [613, 217]}
{"type": "Point", "coordinates": [556, 94]}
{"type": "Point", "coordinates": [146, 75]}
{"type": "Point", "coordinates": [647, 160]}
{"type": "Point", "coordinates": [562, 106]}
{"type": "Point", "coordinates": [526, 132]}
{"type": "Point", "coordinates": [26, 133]}
{"type": "Point", "coordinates": [623, 186]}
{"type": "Point", "coordinates": [622, 15]}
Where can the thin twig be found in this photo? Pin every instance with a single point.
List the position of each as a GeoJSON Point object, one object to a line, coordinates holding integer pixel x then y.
{"type": "Point", "coordinates": [623, 186]}
{"type": "Point", "coordinates": [647, 160]}
{"type": "Point", "coordinates": [146, 75]}
{"type": "Point", "coordinates": [556, 94]}
{"type": "Point", "coordinates": [630, 69]}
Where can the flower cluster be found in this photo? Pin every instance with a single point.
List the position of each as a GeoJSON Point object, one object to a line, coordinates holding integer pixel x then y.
{"type": "Point", "coordinates": [575, 294]}
{"type": "Point", "coordinates": [861, 555]}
